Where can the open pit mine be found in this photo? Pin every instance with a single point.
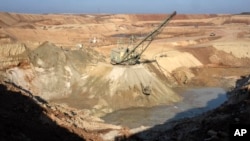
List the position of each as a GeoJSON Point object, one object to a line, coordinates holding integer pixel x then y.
{"type": "Point", "coordinates": [123, 77]}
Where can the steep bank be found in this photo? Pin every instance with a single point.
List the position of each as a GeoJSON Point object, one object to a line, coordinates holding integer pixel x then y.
{"type": "Point", "coordinates": [25, 116]}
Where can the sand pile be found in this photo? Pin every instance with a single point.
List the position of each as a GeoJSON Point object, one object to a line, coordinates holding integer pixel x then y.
{"type": "Point", "coordinates": [128, 85]}
{"type": "Point", "coordinates": [107, 88]}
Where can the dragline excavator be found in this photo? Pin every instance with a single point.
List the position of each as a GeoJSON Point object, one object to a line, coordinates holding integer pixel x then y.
{"type": "Point", "coordinates": [132, 56]}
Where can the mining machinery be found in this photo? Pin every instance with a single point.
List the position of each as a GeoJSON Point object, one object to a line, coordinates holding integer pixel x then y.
{"type": "Point", "coordinates": [122, 56]}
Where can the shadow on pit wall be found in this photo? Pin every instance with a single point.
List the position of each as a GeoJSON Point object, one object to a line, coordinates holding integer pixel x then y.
{"type": "Point", "coordinates": [21, 120]}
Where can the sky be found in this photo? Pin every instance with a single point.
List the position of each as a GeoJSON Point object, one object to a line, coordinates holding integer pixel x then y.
{"type": "Point", "coordinates": [126, 6]}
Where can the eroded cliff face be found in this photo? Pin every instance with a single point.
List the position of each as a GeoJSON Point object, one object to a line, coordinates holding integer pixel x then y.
{"type": "Point", "coordinates": [10, 55]}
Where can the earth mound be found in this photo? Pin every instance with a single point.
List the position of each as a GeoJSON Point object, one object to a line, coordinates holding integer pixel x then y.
{"type": "Point", "coordinates": [82, 79]}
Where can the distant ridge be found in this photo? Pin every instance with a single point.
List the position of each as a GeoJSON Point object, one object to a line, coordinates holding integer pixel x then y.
{"type": "Point", "coordinates": [245, 13]}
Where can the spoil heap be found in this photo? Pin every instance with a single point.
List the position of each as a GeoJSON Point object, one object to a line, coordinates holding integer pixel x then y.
{"type": "Point", "coordinates": [81, 78]}
{"type": "Point", "coordinates": [119, 87]}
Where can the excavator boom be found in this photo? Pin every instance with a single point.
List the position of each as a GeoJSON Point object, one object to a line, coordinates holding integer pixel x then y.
{"type": "Point", "coordinates": [130, 56]}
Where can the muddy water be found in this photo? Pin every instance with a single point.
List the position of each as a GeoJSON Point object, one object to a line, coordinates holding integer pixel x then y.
{"type": "Point", "coordinates": [195, 101]}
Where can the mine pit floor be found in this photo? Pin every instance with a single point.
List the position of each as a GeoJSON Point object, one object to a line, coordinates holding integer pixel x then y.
{"type": "Point", "coordinates": [196, 101]}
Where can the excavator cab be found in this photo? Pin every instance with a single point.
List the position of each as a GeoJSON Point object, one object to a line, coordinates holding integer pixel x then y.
{"type": "Point", "coordinates": [117, 56]}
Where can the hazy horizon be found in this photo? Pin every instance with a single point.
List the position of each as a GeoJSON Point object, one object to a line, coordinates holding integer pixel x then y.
{"type": "Point", "coordinates": [125, 6]}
